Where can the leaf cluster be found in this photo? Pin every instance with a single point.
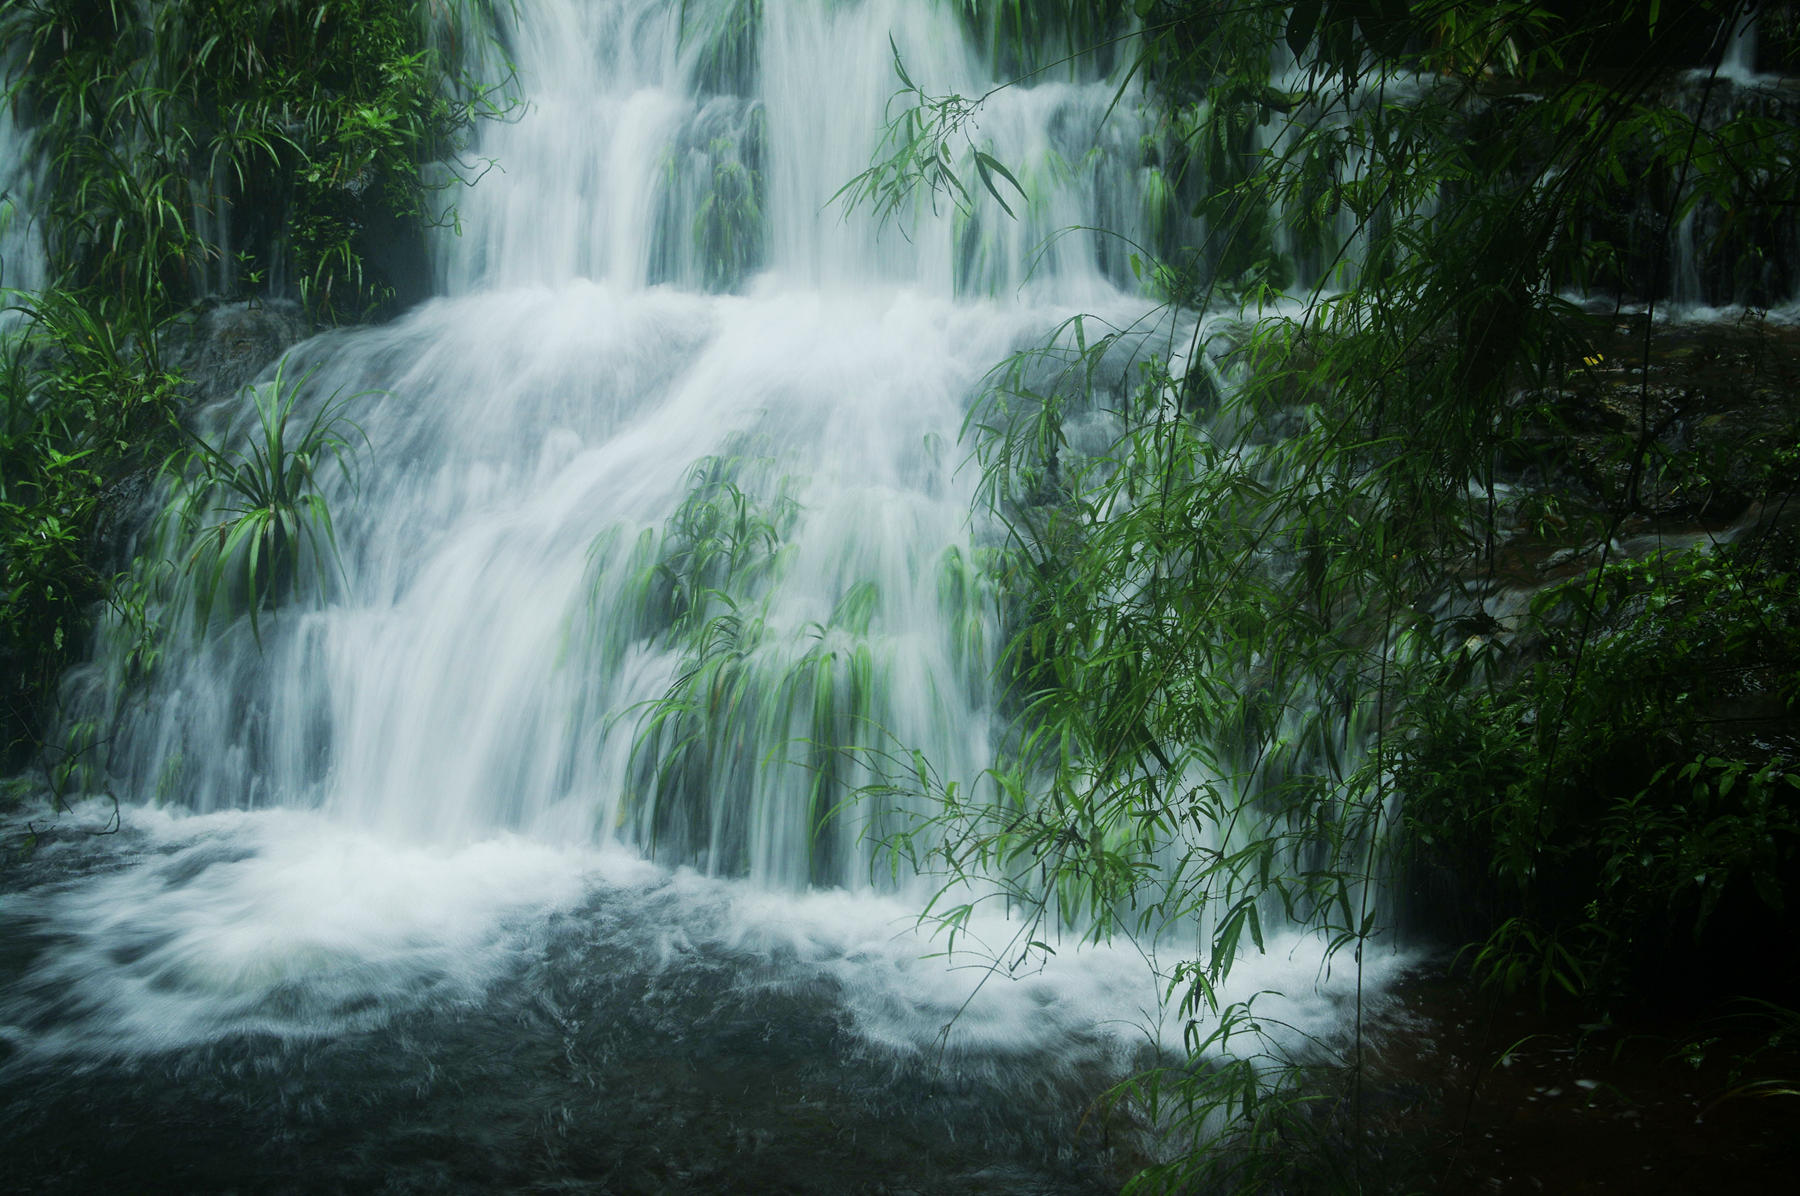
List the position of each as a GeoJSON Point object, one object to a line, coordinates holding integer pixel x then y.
{"type": "Point", "coordinates": [1250, 541]}
{"type": "Point", "coordinates": [79, 400]}
{"type": "Point", "coordinates": [728, 225]}
{"type": "Point", "coordinates": [1603, 807]}
{"type": "Point", "coordinates": [189, 140]}
{"type": "Point", "coordinates": [928, 145]}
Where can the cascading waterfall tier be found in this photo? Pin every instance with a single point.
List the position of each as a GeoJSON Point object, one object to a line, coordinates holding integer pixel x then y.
{"type": "Point", "coordinates": [663, 506]}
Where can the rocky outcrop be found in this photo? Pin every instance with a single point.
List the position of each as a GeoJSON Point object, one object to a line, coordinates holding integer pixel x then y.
{"type": "Point", "coordinates": [1657, 437]}
{"type": "Point", "coordinates": [217, 351]}
{"type": "Point", "coordinates": [222, 349]}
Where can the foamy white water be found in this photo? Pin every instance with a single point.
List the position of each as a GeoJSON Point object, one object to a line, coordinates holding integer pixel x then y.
{"type": "Point", "coordinates": [293, 926]}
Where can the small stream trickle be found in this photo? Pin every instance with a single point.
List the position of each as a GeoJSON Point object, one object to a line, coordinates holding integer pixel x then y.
{"type": "Point", "coordinates": [22, 266]}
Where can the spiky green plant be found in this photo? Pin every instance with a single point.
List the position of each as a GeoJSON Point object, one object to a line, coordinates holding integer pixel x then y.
{"type": "Point", "coordinates": [256, 515]}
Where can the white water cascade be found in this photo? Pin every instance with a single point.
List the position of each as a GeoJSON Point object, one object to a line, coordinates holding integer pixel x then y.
{"type": "Point", "coordinates": [663, 501]}
{"type": "Point", "coordinates": [556, 446]}
{"type": "Point", "coordinates": [21, 249]}
{"type": "Point", "coordinates": [1738, 63]}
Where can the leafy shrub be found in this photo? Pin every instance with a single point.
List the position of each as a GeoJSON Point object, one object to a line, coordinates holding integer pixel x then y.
{"type": "Point", "coordinates": [79, 400]}
{"type": "Point", "coordinates": [290, 133]}
{"type": "Point", "coordinates": [1607, 804]}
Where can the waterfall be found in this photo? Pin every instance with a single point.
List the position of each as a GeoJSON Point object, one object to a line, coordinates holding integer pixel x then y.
{"type": "Point", "coordinates": [654, 545]}
{"type": "Point", "coordinates": [619, 454]}
{"type": "Point", "coordinates": [1738, 63]}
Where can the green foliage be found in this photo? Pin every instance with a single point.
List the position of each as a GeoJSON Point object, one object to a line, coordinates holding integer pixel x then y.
{"type": "Point", "coordinates": [1251, 625]}
{"type": "Point", "coordinates": [720, 543]}
{"type": "Point", "coordinates": [728, 228]}
{"type": "Point", "coordinates": [1025, 37]}
{"type": "Point", "coordinates": [744, 685]}
{"type": "Point", "coordinates": [699, 584]}
{"type": "Point", "coordinates": [266, 514]}
{"type": "Point", "coordinates": [920, 152]}
{"type": "Point", "coordinates": [1183, 766]}
{"type": "Point", "coordinates": [79, 398]}
{"type": "Point", "coordinates": [1286, 1120]}
{"type": "Point", "coordinates": [196, 149]}
{"type": "Point", "coordinates": [724, 46]}
{"type": "Point", "coordinates": [177, 133]}
{"type": "Point", "coordinates": [1600, 808]}
{"type": "Point", "coordinates": [1775, 1030]}
{"type": "Point", "coordinates": [1276, 550]}
{"type": "Point", "coordinates": [766, 746]}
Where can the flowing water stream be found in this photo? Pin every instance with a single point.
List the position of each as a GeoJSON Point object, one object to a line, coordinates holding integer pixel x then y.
{"type": "Point", "coordinates": [21, 250]}
{"type": "Point", "coordinates": [498, 860]}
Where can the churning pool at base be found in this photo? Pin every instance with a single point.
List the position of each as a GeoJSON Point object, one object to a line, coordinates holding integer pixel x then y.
{"type": "Point", "coordinates": [266, 1001]}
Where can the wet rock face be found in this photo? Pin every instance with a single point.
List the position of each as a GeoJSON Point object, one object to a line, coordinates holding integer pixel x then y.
{"type": "Point", "coordinates": [223, 349]}
{"type": "Point", "coordinates": [219, 351]}
{"type": "Point", "coordinates": [1687, 437]}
